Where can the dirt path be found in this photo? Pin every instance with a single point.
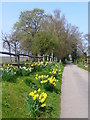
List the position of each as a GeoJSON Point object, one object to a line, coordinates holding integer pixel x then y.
{"type": "Point", "coordinates": [74, 98]}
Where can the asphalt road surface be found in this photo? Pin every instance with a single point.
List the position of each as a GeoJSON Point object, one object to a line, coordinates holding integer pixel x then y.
{"type": "Point", "coordinates": [74, 96]}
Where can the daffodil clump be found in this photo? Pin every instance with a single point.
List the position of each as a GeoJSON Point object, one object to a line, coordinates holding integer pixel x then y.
{"type": "Point", "coordinates": [9, 72]}
{"type": "Point", "coordinates": [32, 67]}
{"type": "Point", "coordinates": [55, 72]}
{"type": "Point", "coordinates": [9, 68]}
{"type": "Point", "coordinates": [41, 77]}
{"type": "Point", "coordinates": [48, 82]}
{"type": "Point", "coordinates": [36, 101]}
{"type": "Point", "coordinates": [38, 65]}
{"type": "Point", "coordinates": [26, 70]}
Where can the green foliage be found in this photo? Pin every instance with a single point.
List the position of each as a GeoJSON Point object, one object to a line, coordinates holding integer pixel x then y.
{"type": "Point", "coordinates": [19, 72]}
{"type": "Point", "coordinates": [36, 102]}
{"type": "Point", "coordinates": [44, 42]}
{"type": "Point", "coordinates": [8, 76]}
{"type": "Point", "coordinates": [84, 67]}
{"type": "Point", "coordinates": [9, 73]}
{"type": "Point", "coordinates": [26, 31]}
{"type": "Point", "coordinates": [29, 82]}
{"type": "Point", "coordinates": [26, 71]}
{"type": "Point", "coordinates": [49, 83]}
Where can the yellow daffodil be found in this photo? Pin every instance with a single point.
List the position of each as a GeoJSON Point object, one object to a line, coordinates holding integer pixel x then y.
{"type": "Point", "coordinates": [36, 75]}
{"type": "Point", "coordinates": [35, 91]}
{"type": "Point", "coordinates": [54, 84]}
{"type": "Point", "coordinates": [31, 94]}
{"type": "Point", "coordinates": [42, 76]}
{"type": "Point", "coordinates": [44, 81]}
{"type": "Point", "coordinates": [39, 77]}
{"type": "Point", "coordinates": [4, 65]}
{"type": "Point", "coordinates": [32, 65]}
{"type": "Point", "coordinates": [39, 90]}
{"type": "Point", "coordinates": [36, 78]}
{"type": "Point", "coordinates": [42, 100]}
{"type": "Point", "coordinates": [43, 105]}
{"type": "Point", "coordinates": [34, 98]}
{"type": "Point", "coordinates": [10, 65]}
{"type": "Point", "coordinates": [37, 95]}
{"type": "Point", "coordinates": [25, 64]}
{"type": "Point", "coordinates": [47, 76]}
{"type": "Point", "coordinates": [41, 82]}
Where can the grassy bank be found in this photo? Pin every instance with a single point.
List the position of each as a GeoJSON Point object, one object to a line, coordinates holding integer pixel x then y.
{"type": "Point", "coordinates": [83, 67]}
{"type": "Point", "coordinates": [14, 96]}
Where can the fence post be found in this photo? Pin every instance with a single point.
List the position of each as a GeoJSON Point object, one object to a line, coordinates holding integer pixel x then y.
{"type": "Point", "coordinates": [60, 60]}
{"type": "Point", "coordinates": [54, 59]}
{"type": "Point", "coordinates": [47, 57]}
{"type": "Point", "coordinates": [18, 59]}
{"type": "Point", "coordinates": [43, 58]}
{"type": "Point", "coordinates": [50, 59]}
{"type": "Point", "coordinates": [38, 58]}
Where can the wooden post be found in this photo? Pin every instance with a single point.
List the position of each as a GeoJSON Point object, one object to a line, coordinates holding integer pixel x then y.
{"type": "Point", "coordinates": [60, 60]}
{"type": "Point", "coordinates": [38, 58]}
{"type": "Point", "coordinates": [43, 58]}
{"type": "Point", "coordinates": [47, 57]}
{"type": "Point", "coordinates": [54, 58]}
{"type": "Point", "coordinates": [18, 60]}
{"type": "Point", "coordinates": [50, 59]}
{"type": "Point", "coordinates": [52, 55]}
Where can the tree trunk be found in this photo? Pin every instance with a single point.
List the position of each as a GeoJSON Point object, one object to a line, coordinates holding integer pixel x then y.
{"type": "Point", "coordinates": [10, 55]}
{"type": "Point", "coordinates": [15, 53]}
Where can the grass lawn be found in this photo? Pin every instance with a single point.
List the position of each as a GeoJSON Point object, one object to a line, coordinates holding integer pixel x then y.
{"type": "Point", "coordinates": [14, 97]}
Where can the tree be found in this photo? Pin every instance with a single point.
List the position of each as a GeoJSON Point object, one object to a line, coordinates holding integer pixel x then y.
{"type": "Point", "coordinates": [28, 25]}
{"type": "Point", "coordinates": [56, 26]}
{"type": "Point", "coordinates": [41, 33]}
{"type": "Point", "coordinates": [44, 42]}
{"type": "Point", "coordinates": [6, 43]}
{"type": "Point", "coordinates": [15, 44]}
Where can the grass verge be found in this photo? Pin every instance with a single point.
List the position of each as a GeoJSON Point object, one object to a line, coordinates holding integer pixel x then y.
{"type": "Point", "coordinates": [14, 94]}
{"type": "Point", "coordinates": [85, 68]}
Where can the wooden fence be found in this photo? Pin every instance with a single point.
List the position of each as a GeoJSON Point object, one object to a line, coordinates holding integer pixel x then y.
{"type": "Point", "coordinates": [39, 58]}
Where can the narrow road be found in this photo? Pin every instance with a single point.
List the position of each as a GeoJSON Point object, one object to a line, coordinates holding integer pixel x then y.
{"type": "Point", "coordinates": [74, 96]}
